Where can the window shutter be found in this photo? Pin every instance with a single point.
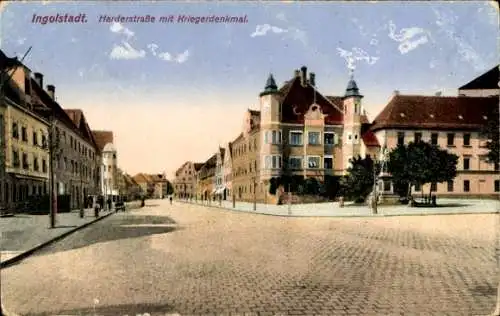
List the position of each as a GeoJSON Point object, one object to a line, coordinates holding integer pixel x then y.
{"type": "Point", "coordinates": [266, 137]}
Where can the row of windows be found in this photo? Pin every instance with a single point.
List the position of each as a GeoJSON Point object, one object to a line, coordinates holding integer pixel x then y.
{"type": "Point", "coordinates": [75, 167]}
{"type": "Point", "coordinates": [450, 186]}
{"type": "Point", "coordinates": [182, 187]}
{"type": "Point", "coordinates": [450, 138]}
{"type": "Point", "coordinates": [239, 150]}
{"type": "Point", "coordinates": [296, 138]}
{"type": "Point", "coordinates": [36, 140]}
{"type": "Point", "coordinates": [22, 160]}
{"type": "Point", "coordinates": [299, 162]}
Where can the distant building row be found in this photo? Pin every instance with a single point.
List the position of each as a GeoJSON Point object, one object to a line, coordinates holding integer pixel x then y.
{"type": "Point", "coordinates": [32, 123]}
{"type": "Point", "coordinates": [309, 134]}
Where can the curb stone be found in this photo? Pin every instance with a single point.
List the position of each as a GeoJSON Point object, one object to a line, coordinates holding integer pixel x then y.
{"type": "Point", "coordinates": [379, 214]}
{"type": "Point", "coordinates": [29, 252]}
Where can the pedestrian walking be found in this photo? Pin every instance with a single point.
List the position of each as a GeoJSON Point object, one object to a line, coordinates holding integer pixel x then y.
{"type": "Point", "coordinates": [170, 200]}
{"type": "Point", "coordinates": [109, 204]}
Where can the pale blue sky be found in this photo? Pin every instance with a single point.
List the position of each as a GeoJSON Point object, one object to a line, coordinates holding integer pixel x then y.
{"type": "Point", "coordinates": [412, 47]}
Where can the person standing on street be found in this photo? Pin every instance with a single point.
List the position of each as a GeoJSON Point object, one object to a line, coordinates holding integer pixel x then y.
{"type": "Point", "coordinates": [170, 200]}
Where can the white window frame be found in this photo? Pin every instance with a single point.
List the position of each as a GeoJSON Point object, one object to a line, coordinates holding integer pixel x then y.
{"type": "Point", "coordinates": [319, 138]}
{"type": "Point", "coordinates": [313, 156]}
{"type": "Point", "coordinates": [334, 138]}
{"type": "Point", "coordinates": [279, 162]}
{"type": "Point", "coordinates": [271, 165]}
{"type": "Point", "coordinates": [301, 165]}
{"type": "Point", "coordinates": [296, 132]}
{"type": "Point", "coordinates": [325, 157]}
{"type": "Point", "coordinates": [280, 137]}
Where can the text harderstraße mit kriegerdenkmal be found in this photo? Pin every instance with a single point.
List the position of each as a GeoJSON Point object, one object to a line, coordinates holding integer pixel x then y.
{"type": "Point", "coordinates": [62, 18]}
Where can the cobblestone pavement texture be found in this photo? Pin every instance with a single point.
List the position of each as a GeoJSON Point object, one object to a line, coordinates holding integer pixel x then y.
{"type": "Point", "coordinates": [25, 231]}
{"type": "Point", "coordinates": [194, 260]}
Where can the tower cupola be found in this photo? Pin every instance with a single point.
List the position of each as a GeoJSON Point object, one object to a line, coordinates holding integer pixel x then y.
{"type": "Point", "coordinates": [270, 87]}
{"type": "Point", "coordinates": [352, 89]}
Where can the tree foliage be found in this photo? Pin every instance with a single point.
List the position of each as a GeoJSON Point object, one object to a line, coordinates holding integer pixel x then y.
{"type": "Point", "coordinates": [421, 163]}
{"type": "Point", "coordinates": [360, 178]}
{"type": "Point", "coordinates": [170, 188]}
{"type": "Point", "coordinates": [491, 132]}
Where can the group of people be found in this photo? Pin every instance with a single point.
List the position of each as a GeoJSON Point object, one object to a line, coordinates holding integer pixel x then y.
{"type": "Point", "coordinates": [97, 202]}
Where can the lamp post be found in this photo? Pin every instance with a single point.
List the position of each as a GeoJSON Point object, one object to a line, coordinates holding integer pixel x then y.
{"type": "Point", "coordinates": [82, 198]}
{"type": "Point", "coordinates": [53, 148]}
{"type": "Point", "coordinates": [254, 193]}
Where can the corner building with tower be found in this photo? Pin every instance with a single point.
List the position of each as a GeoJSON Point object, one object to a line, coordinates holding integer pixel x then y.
{"type": "Point", "coordinates": [298, 131]}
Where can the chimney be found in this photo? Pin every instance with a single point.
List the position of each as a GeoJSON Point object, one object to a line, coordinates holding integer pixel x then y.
{"type": "Point", "coordinates": [438, 94]}
{"type": "Point", "coordinates": [396, 92]}
{"type": "Point", "coordinates": [312, 79]}
{"type": "Point", "coordinates": [39, 79]}
{"type": "Point", "coordinates": [296, 73]}
{"type": "Point", "coordinates": [303, 75]}
{"type": "Point", "coordinates": [51, 90]}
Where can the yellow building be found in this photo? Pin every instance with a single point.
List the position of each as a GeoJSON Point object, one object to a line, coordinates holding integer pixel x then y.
{"type": "Point", "coordinates": [26, 137]}
{"type": "Point", "coordinates": [300, 132]}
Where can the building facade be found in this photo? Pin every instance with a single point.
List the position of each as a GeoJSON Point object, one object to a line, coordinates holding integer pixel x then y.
{"type": "Point", "coordinates": [227, 173]}
{"type": "Point", "coordinates": [300, 132]}
{"type": "Point", "coordinates": [205, 179]}
{"type": "Point", "coordinates": [25, 134]}
{"type": "Point", "coordinates": [219, 187]}
{"type": "Point", "coordinates": [108, 169]}
{"type": "Point", "coordinates": [185, 180]}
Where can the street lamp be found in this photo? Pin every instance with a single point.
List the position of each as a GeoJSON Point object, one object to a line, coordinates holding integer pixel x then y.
{"type": "Point", "coordinates": [53, 148]}
{"type": "Point", "coordinates": [254, 193]}
{"type": "Point", "coordinates": [82, 200]}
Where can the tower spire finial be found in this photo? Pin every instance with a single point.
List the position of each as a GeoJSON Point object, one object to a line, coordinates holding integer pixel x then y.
{"type": "Point", "coordinates": [351, 73]}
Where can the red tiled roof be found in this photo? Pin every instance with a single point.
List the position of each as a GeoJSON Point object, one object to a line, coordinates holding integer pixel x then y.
{"type": "Point", "coordinates": [78, 118]}
{"type": "Point", "coordinates": [435, 112]}
{"type": "Point", "coordinates": [297, 99]}
{"type": "Point", "coordinates": [177, 172]}
{"type": "Point", "coordinates": [488, 80]}
{"type": "Point", "coordinates": [369, 139]}
{"type": "Point", "coordinates": [141, 178]}
{"type": "Point", "coordinates": [44, 101]}
{"type": "Point", "coordinates": [102, 138]}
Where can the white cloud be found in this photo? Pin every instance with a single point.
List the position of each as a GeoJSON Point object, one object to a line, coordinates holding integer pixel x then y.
{"type": "Point", "coordinates": [180, 58]}
{"type": "Point", "coordinates": [408, 46]}
{"type": "Point", "coordinates": [374, 42]}
{"type": "Point", "coordinates": [407, 37]}
{"type": "Point", "coordinates": [356, 55]}
{"type": "Point", "coordinates": [466, 52]}
{"type": "Point", "coordinates": [281, 16]}
{"type": "Point", "coordinates": [263, 29]}
{"type": "Point", "coordinates": [153, 47]}
{"type": "Point", "coordinates": [20, 41]}
{"type": "Point", "coordinates": [126, 51]}
{"type": "Point", "coordinates": [120, 29]}
{"type": "Point", "coordinates": [165, 56]}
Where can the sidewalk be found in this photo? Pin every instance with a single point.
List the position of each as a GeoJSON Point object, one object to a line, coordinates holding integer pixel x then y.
{"type": "Point", "coordinates": [332, 209]}
{"type": "Point", "coordinates": [22, 234]}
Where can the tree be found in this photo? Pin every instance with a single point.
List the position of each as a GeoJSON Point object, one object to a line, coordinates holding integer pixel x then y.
{"type": "Point", "coordinates": [491, 132]}
{"type": "Point", "coordinates": [421, 163]}
{"type": "Point", "coordinates": [359, 180]}
{"type": "Point", "coordinates": [170, 188]}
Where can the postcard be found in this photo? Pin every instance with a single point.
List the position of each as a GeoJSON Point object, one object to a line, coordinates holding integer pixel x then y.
{"type": "Point", "coordinates": [249, 158]}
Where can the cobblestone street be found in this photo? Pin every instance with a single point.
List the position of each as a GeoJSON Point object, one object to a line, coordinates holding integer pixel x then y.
{"type": "Point", "coordinates": [194, 260]}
